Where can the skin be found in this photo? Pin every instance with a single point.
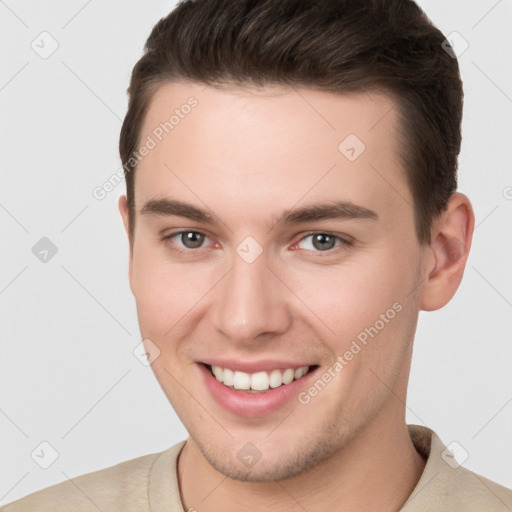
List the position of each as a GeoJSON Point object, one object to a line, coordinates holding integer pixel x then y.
{"type": "Point", "coordinates": [247, 155]}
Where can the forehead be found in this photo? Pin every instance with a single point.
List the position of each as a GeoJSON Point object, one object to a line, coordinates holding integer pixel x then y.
{"type": "Point", "coordinates": [264, 112]}
{"type": "Point", "coordinates": [288, 143]}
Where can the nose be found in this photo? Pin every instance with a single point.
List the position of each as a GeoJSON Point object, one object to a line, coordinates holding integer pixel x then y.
{"type": "Point", "coordinates": [251, 303]}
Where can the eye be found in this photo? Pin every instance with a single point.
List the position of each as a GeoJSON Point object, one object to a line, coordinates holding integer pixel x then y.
{"type": "Point", "coordinates": [187, 240]}
{"type": "Point", "coordinates": [321, 242]}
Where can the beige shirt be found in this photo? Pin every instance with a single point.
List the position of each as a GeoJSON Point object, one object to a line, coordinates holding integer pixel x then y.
{"type": "Point", "coordinates": [150, 484]}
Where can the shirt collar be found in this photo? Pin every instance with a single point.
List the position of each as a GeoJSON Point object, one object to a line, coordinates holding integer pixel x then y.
{"type": "Point", "coordinates": [443, 485]}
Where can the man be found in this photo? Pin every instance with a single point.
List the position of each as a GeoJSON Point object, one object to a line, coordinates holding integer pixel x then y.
{"type": "Point", "coordinates": [291, 206]}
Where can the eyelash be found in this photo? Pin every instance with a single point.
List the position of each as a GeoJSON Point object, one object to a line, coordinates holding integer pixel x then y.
{"type": "Point", "coordinates": [344, 243]}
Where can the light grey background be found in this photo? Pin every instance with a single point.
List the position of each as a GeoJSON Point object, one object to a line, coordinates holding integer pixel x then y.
{"type": "Point", "coordinates": [68, 374]}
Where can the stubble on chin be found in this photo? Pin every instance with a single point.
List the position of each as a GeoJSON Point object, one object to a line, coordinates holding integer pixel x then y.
{"type": "Point", "coordinates": [286, 462]}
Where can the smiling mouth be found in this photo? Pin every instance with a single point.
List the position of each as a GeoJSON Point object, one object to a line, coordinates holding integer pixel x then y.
{"type": "Point", "coordinates": [260, 381]}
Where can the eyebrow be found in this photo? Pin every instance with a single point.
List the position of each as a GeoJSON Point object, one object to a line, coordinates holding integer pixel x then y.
{"type": "Point", "coordinates": [336, 210]}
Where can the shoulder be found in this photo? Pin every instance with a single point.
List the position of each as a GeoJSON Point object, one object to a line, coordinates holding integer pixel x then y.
{"type": "Point", "coordinates": [122, 487]}
{"type": "Point", "coordinates": [462, 490]}
{"type": "Point", "coordinates": [446, 485]}
{"type": "Point", "coordinates": [473, 492]}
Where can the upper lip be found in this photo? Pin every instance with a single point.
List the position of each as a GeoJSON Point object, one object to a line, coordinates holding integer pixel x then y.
{"type": "Point", "coordinates": [254, 366]}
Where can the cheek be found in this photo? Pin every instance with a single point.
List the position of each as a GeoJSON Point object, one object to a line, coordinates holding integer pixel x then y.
{"type": "Point", "coordinates": [165, 292]}
{"type": "Point", "coordinates": [364, 302]}
{"type": "Point", "coordinates": [372, 315]}
{"type": "Point", "coordinates": [347, 297]}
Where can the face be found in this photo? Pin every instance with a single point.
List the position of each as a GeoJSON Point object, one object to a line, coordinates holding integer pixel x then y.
{"type": "Point", "coordinates": [274, 234]}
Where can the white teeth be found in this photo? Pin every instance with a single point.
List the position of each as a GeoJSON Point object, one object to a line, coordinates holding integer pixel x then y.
{"type": "Point", "coordinates": [299, 372]}
{"type": "Point", "coordinates": [217, 371]}
{"type": "Point", "coordinates": [288, 376]}
{"type": "Point", "coordinates": [241, 380]}
{"type": "Point", "coordinates": [276, 379]}
{"type": "Point", "coordinates": [227, 376]}
{"type": "Point", "coordinates": [260, 381]}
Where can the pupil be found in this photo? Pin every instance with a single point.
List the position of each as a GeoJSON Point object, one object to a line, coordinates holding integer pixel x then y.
{"type": "Point", "coordinates": [322, 241]}
{"type": "Point", "coordinates": [192, 240]}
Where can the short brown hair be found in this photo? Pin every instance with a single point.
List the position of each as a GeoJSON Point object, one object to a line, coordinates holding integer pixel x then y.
{"type": "Point", "coordinates": [331, 45]}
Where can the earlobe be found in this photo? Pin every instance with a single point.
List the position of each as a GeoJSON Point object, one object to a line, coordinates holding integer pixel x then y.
{"type": "Point", "coordinates": [451, 239]}
{"type": "Point", "coordinates": [124, 211]}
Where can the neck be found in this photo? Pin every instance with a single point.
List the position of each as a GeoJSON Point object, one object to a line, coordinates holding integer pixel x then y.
{"type": "Point", "coordinates": [377, 470]}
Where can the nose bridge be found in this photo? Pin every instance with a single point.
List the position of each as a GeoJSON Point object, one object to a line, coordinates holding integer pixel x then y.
{"type": "Point", "coordinates": [250, 303]}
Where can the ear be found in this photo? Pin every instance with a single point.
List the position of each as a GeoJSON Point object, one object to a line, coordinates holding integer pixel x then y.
{"type": "Point", "coordinates": [124, 211]}
{"type": "Point", "coordinates": [448, 251]}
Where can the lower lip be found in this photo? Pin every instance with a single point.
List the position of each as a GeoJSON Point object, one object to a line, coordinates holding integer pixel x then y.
{"type": "Point", "coordinates": [252, 405]}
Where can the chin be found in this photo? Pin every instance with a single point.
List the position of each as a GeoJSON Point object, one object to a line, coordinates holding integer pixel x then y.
{"type": "Point", "coordinates": [283, 464]}
{"type": "Point", "coordinates": [261, 472]}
